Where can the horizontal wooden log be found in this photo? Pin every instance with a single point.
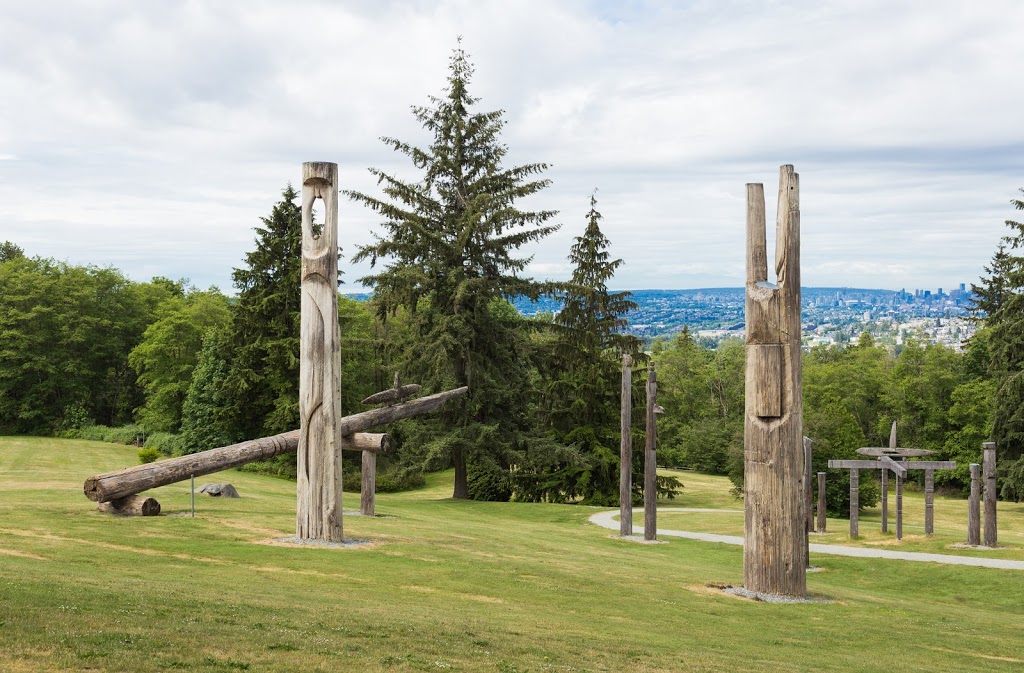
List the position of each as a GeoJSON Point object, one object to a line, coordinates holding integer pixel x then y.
{"type": "Point", "coordinates": [879, 451]}
{"type": "Point", "coordinates": [131, 480]}
{"type": "Point", "coordinates": [894, 466]}
{"type": "Point", "coordinates": [133, 505]}
{"type": "Point", "coordinates": [879, 465]}
{"type": "Point", "coordinates": [394, 394]}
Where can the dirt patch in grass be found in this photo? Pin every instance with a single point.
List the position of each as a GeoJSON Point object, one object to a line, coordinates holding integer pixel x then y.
{"type": "Point", "coordinates": [21, 554]}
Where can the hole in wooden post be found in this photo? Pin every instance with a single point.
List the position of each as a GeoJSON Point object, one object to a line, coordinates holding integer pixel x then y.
{"type": "Point", "coordinates": [317, 217]}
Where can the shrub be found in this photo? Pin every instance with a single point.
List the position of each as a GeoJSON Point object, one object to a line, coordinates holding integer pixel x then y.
{"type": "Point", "coordinates": [400, 479]}
{"type": "Point", "coordinates": [148, 455]}
{"type": "Point", "coordinates": [166, 443]}
{"type": "Point", "coordinates": [132, 434]}
{"type": "Point", "coordinates": [487, 481]}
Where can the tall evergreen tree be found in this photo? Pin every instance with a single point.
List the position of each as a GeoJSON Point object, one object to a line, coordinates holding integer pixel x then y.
{"type": "Point", "coordinates": [450, 240]}
{"type": "Point", "coordinates": [261, 387]}
{"type": "Point", "coordinates": [584, 397]}
{"type": "Point", "coordinates": [1006, 342]}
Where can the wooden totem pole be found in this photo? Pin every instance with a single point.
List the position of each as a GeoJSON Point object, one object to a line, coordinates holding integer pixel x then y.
{"type": "Point", "coordinates": [318, 506]}
{"type": "Point", "coordinates": [775, 505]}
{"type": "Point", "coordinates": [626, 450]}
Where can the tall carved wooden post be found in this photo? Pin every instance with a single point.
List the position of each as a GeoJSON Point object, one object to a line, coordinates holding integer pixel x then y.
{"type": "Point", "coordinates": [899, 507]}
{"type": "Point", "coordinates": [989, 471]}
{"type": "Point", "coordinates": [885, 483]}
{"type": "Point", "coordinates": [775, 517]}
{"type": "Point", "coordinates": [854, 503]}
{"type": "Point", "coordinates": [626, 450]}
{"type": "Point", "coordinates": [318, 511]}
{"type": "Point", "coordinates": [929, 502]}
{"type": "Point", "coordinates": [651, 459]}
{"type": "Point", "coordinates": [974, 507]}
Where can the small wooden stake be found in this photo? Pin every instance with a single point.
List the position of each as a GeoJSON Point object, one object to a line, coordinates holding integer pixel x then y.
{"type": "Point", "coordinates": [899, 507]}
{"type": "Point", "coordinates": [885, 501]}
{"type": "Point", "coordinates": [974, 507]}
{"type": "Point", "coordinates": [821, 502]}
{"type": "Point", "coordinates": [367, 491]}
{"type": "Point", "coordinates": [929, 502]}
{"type": "Point", "coordinates": [651, 459]}
{"type": "Point", "coordinates": [854, 503]}
{"type": "Point", "coordinates": [989, 472]}
{"type": "Point", "coordinates": [626, 450]}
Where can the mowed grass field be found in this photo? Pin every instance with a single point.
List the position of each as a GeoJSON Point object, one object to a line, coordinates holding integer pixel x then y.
{"type": "Point", "coordinates": [446, 585]}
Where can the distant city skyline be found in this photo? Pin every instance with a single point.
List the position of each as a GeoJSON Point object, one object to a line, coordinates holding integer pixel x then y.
{"type": "Point", "coordinates": [153, 136]}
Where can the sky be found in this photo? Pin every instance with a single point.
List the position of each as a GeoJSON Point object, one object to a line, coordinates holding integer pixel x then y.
{"type": "Point", "coordinates": [153, 136]}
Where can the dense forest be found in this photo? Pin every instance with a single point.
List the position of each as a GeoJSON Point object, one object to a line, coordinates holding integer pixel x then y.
{"type": "Point", "coordinates": [87, 352]}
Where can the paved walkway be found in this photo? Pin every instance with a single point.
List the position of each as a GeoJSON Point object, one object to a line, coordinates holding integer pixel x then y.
{"type": "Point", "coordinates": [610, 520]}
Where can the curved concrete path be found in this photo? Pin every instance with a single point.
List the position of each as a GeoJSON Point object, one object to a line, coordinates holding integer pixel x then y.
{"type": "Point", "coordinates": [609, 520]}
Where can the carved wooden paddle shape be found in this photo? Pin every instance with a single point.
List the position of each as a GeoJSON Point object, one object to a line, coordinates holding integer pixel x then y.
{"type": "Point", "coordinates": [775, 517]}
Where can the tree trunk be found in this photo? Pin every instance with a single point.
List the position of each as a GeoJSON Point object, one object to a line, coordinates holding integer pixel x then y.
{"type": "Point", "coordinates": [775, 517]}
{"type": "Point", "coordinates": [130, 480]}
{"type": "Point", "coordinates": [461, 491]}
{"type": "Point", "coordinates": [133, 505]}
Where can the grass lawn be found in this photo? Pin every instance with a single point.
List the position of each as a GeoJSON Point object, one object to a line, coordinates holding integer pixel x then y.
{"type": "Point", "coordinates": [447, 585]}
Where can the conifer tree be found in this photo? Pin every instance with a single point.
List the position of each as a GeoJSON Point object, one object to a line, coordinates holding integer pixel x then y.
{"type": "Point", "coordinates": [261, 387]}
{"type": "Point", "coordinates": [449, 249]}
{"type": "Point", "coordinates": [584, 399]}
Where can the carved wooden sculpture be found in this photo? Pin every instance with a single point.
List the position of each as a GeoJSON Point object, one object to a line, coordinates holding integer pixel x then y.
{"type": "Point", "coordinates": [651, 458]}
{"type": "Point", "coordinates": [318, 503]}
{"type": "Point", "coordinates": [775, 519]}
{"type": "Point", "coordinates": [989, 472]}
{"type": "Point", "coordinates": [626, 450]}
{"type": "Point", "coordinates": [974, 507]}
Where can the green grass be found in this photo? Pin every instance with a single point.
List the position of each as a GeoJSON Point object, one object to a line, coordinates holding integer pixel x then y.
{"type": "Point", "coordinates": [447, 585]}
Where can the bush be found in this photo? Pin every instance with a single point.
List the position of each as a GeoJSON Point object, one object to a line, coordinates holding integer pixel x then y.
{"type": "Point", "coordinates": [132, 434]}
{"type": "Point", "coordinates": [148, 455]}
{"type": "Point", "coordinates": [165, 443]}
{"type": "Point", "coordinates": [400, 479]}
{"type": "Point", "coordinates": [95, 433]}
{"type": "Point", "coordinates": [487, 481]}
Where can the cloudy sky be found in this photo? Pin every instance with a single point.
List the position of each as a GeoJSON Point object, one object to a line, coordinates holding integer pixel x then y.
{"type": "Point", "coordinates": [153, 135]}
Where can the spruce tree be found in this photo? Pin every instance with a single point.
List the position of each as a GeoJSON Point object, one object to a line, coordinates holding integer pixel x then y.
{"type": "Point", "coordinates": [449, 249]}
{"type": "Point", "coordinates": [261, 387]}
{"type": "Point", "coordinates": [1006, 342]}
{"type": "Point", "coordinates": [584, 398]}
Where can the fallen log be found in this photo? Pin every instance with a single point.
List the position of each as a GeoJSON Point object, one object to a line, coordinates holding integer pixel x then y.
{"type": "Point", "coordinates": [133, 505]}
{"type": "Point", "coordinates": [138, 478]}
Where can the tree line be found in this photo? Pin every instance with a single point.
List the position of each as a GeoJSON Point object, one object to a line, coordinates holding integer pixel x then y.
{"type": "Point", "coordinates": [84, 351]}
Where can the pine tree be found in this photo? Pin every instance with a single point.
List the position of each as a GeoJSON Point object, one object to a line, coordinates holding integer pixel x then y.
{"type": "Point", "coordinates": [450, 242]}
{"type": "Point", "coordinates": [584, 398]}
{"type": "Point", "coordinates": [261, 387]}
{"type": "Point", "coordinates": [1006, 342]}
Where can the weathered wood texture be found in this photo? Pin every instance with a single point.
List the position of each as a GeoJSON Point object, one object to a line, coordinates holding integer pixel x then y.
{"type": "Point", "coordinates": [651, 458]}
{"type": "Point", "coordinates": [894, 465]}
{"type": "Point", "coordinates": [885, 501]}
{"type": "Point", "coordinates": [854, 503]}
{"type": "Point", "coordinates": [775, 516]}
{"type": "Point", "coordinates": [974, 507]}
{"type": "Point", "coordinates": [368, 490]}
{"type": "Point", "coordinates": [318, 490]}
{"type": "Point", "coordinates": [899, 507]}
{"type": "Point", "coordinates": [626, 449]}
{"type": "Point", "coordinates": [808, 496]}
{"type": "Point", "coordinates": [132, 505]}
{"type": "Point", "coordinates": [138, 478]}
{"type": "Point", "coordinates": [821, 503]}
{"type": "Point", "coordinates": [393, 394]}
{"type": "Point", "coordinates": [929, 502]}
{"type": "Point", "coordinates": [989, 473]}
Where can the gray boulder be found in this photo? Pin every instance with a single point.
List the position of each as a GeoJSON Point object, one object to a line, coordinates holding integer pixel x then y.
{"type": "Point", "coordinates": [218, 490]}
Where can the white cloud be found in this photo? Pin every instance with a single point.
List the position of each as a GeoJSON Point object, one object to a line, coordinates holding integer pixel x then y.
{"type": "Point", "coordinates": [154, 135]}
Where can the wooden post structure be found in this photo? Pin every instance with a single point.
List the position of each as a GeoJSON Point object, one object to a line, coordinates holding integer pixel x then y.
{"type": "Point", "coordinates": [885, 483]}
{"type": "Point", "coordinates": [929, 502]}
{"type": "Point", "coordinates": [808, 496]}
{"type": "Point", "coordinates": [899, 507]}
{"type": "Point", "coordinates": [626, 450]}
{"type": "Point", "coordinates": [974, 507]}
{"type": "Point", "coordinates": [368, 484]}
{"type": "Point", "coordinates": [775, 518]}
{"type": "Point", "coordinates": [651, 459]}
{"type": "Point", "coordinates": [821, 502]}
{"type": "Point", "coordinates": [854, 503]}
{"type": "Point", "coordinates": [318, 493]}
{"type": "Point", "coordinates": [989, 472]}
